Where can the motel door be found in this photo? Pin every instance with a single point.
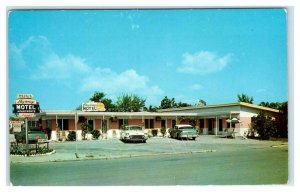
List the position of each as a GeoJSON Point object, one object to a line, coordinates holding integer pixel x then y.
{"type": "Point", "coordinates": [173, 123]}
{"type": "Point", "coordinates": [210, 126]}
{"type": "Point", "coordinates": [104, 126]}
{"type": "Point", "coordinates": [163, 123]}
{"type": "Point", "coordinates": [90, 124]}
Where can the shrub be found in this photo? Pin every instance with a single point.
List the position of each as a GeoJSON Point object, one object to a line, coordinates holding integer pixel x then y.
{"type": "Point", "coordinates": [72, 136]}
{"type": "Point", "coordinates": [96, 134]}
{"type": "Point", "coordinates": [163, 131]}
{"type": "Point", "coordinates": [154, 132]}
{"type": "Point", "coordinates": [84, 127]}
{"type": "Point", "coordinates": [264, 126]}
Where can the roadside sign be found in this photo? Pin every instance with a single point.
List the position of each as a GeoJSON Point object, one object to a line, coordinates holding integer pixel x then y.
{"type": "Point", "coordinates": [25, 115]}
{"type": "Point", "coordinates": [16, 122]}
{"type": "Point", "coordinates": [42, 140]}
{"type": "Point", "coordinates": [25, 101]}
{"type": "Point", "coordinates": [16, 125]}
{"type": "Point", "coordinates": [93, 106]}
{"type": "Point", "coordinates": [24, 96]}
{"type": "Point", "coordinates": [26, 108]}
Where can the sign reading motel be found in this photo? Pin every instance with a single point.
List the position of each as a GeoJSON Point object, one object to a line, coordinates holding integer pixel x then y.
{"type": "Point", "coordinates": [25, 105]}
{"type": "Point", "coordinates": [26, 108]}
{"type": "Point", "coordinates": [93, 106]}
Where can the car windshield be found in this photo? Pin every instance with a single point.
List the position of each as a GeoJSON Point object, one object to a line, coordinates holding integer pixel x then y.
{"type": "Point", "coordinates": [34, 129]}
{"type": "Point", "coordinates": [186, 127]}
{"type": "Point", "coordinates": [134, 128]}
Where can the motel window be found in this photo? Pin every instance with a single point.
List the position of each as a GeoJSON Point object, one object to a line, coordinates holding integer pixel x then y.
{"type": "Point", "coordinates": [123, 122]}
{"type": "Point", "coordinates": [63, 124]}
{"type": "Point", "coordinates": [48, 124]}
{"type": "Point", "coordinates": [33, 123]}
{"type": "Point", "coordinates": [149, 123]}
{"type": "Point", "coordinates": [232, 125]}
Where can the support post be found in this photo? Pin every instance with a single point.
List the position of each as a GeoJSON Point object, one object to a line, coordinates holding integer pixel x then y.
{"type": "Point", "coordinates": [26, 136]}
{"type": "Point", "coordinates": [217, 126]}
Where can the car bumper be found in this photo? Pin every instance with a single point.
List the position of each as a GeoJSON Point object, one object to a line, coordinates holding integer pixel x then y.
{"type": "Point", "coordinates": [135, 138]}
{"type": "Point", "coordinates": [188, 136]}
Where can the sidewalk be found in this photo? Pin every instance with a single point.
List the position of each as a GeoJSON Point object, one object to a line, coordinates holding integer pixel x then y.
{"type": "Point", "coordinates": [110, 149]}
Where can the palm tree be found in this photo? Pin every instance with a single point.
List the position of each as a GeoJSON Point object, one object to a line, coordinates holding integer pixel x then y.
{"type": "Point", "coordinates": [245, 98]}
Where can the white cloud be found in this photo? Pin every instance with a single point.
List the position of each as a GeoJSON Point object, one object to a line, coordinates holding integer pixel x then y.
{"type": "Point", "coordinates": [15, 57]}
{"type": "Point", "coordinates": [135, 26]}
{"type": "Point", "coordinates": [114, 83]}
{"type": "Point", "coordinates": [39, 59]}
{"type": "Point", "coordinates": [37, 56]}
{"type": "Point", "coordinates": [196, 87]}
{"type": "Point", "coordinates": [203, 62]}
{"type": "Point", "coordinates": [58, 68]}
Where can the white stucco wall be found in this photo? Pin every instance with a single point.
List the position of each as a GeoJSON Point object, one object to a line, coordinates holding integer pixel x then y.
{"type": "Point", "coordinates": [113, 134]}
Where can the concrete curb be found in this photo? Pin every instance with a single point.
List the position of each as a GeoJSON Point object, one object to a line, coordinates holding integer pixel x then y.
{"type": "Point", "coordinates": [91, 157]}
{"type": "Point", "coordinates": [281, 145]}
{"type": "Point", "coordinates": [35, 155]}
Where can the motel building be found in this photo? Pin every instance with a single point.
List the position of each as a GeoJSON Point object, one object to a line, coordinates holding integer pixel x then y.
{"type": "Point", "coordinates": [209, 119]}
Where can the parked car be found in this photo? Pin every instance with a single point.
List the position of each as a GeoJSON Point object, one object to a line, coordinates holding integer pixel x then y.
{"type": "Point", "coordinates": [34, 135]}
{"type": "Point", "coordinates": [183, 131]}
{"type": "Point", "coordinates": [133, 133]}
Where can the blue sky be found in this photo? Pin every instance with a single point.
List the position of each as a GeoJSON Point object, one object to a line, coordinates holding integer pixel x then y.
{"type": "Point", "coordinates": [63, 56]}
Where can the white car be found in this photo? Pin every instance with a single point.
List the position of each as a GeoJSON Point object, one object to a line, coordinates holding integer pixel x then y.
{"type": "Point", "coordinates": [133, 133]}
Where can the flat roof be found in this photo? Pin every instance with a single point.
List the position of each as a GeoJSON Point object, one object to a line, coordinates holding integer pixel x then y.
{"type": "Point", "coordinates": [222, 105]}
{"type": "Point", "coordinates": [161, 113]}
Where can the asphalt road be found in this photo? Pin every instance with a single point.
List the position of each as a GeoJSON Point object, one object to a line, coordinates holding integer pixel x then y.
{"type": "Point", "coordinates": [262, 165]}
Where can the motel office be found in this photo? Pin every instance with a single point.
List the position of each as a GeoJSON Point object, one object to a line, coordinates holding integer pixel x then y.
{"type": "Point", "coordinates": [209, 119]}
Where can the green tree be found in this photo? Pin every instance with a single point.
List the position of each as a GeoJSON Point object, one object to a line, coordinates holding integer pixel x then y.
{"type": "Point", "coordinates": [201, 102]}
{"type": "Point", "coordinates": [167, 103]}
{"type": "Point", "coordinates": [245, 98]}
{"type": "Point", "coordinates": [273, 105]}
{"type": "Point", "coordinates": [182, 104]}
{"type": "Point", "coordinates": [264, 125]}
{"type": "Point", "coordinates": [151, 108]}
{"type": "Point", "coordinates": [109, 106]}
{"type": "Point", "coordinates": [130, 103]}
{"type": "Point", "coordinates": [282, 120]}
{"type": "Point", "coordinates": [97, 97]}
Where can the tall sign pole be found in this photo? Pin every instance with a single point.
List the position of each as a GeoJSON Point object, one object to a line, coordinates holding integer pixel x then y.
{"type": "Point", "coordinates": [25, 107]}
{"type": "Point", "coordinates": [26, 131]}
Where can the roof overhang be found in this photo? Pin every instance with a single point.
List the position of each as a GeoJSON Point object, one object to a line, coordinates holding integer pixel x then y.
{"type": "Point", "coordinates": [115, 114]}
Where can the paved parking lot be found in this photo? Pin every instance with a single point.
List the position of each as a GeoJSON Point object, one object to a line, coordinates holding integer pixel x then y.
{"type": "Point", "coordinates": [114, 148]}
